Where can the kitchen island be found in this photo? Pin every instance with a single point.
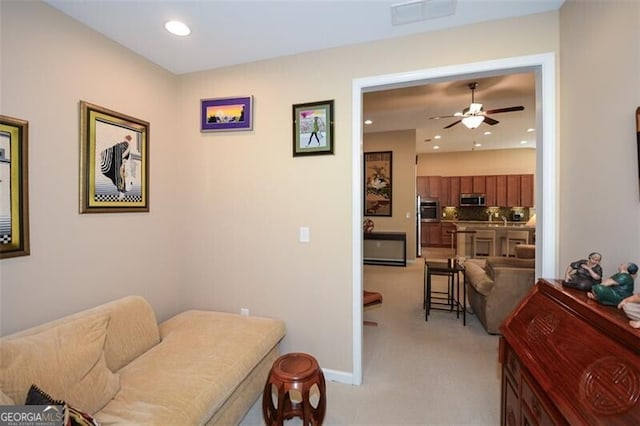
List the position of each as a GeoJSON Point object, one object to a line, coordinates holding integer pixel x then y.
{"type": "Point", "coordinates": [465, 240]}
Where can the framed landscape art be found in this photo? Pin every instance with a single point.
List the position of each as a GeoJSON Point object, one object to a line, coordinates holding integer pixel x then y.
{"type": "Point", "coordinates": [114, 161]}
{"type": "Point", "coordinates": [14, 179]}
{"type": "Point", "coordinates": [226, 114]}
{"type": "Point", "coordinates": [313, 128]}
{"type": "Point", "coordinates": [378, 183]}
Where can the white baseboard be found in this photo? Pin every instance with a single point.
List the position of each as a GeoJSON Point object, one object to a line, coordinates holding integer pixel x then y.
{"type": "Point", "coordinates": [338, 376]}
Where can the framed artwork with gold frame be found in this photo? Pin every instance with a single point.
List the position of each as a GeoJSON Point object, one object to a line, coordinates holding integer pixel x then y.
{"type": "Point", "coordinates": [14, 183]}
{"type": "Point", "coordinates": [114, 161]}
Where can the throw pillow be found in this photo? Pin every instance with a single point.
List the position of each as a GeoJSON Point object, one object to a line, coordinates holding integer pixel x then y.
{"type": "Point", "coordinates": [67, 360]}
{"type": "Point", "coordinates": [72, 416]}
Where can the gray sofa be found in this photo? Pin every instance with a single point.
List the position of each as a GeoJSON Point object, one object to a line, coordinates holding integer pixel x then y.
{"type": "Point", "coordinates": [495, 286]}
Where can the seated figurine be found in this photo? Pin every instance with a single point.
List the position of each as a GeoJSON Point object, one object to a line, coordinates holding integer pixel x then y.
{"type": "Point", "coordinates": [631, 307]}
{"type": "Point", "coordinates": [584, 273]}
{"type": "Point", "coordinates": [618, 287]}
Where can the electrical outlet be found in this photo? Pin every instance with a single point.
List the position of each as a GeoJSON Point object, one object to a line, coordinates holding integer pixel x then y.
{"type": "Point", "coordinates": [244, 312]}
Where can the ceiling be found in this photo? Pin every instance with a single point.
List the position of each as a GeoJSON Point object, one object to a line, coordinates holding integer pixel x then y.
{"type": "Point", "coordinates": [226, 33]}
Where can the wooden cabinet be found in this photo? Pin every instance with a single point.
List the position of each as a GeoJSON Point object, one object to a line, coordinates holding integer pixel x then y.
{"type": "Point", "coordinates": [491, 191]}
{"type": "Point", "coordinates": [567, 360]}
{"type": "Point", "coordinates": [432, 234]}
{"type": "Point", "coordinates": [472, 184]}
{"type": "Point", "coordinates": [428, 186]}
{"type": "Point", "coordinates": [448, 229]}
{"type": "Point", "coordinates": [501, 190]}
{"type": "Point", "coordinates": [520, 191]}
{"type": "Point", "coordinates": [445, 191]}
{"type": "Point", "coordinates": [454, 191]}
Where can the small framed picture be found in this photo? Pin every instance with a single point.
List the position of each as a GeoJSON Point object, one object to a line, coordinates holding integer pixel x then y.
{"type": "Point", "coordinates": [226, 114]}
{"type": "Point", "coordinates": [14, 195]}
{"type": "Point", "coordinates": [114, 161]}
{"type": "Point", "coordinates": [313, 128]}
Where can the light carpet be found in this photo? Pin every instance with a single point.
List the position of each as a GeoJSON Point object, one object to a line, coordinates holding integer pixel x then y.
{"type": "Point", "coordinates": [415, 372]}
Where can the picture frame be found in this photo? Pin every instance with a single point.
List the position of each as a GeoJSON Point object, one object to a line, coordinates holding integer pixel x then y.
{"type": "Point", "coordinates": [378, 183]}
{"type": "Point", "coordinates": [14, 187]}
{"type": "Point", "coordinates": [114, 161]}
{"type": "Point", "coordinates": [313, 128]}
{"type": "Point", "coordinates": [226, 114]}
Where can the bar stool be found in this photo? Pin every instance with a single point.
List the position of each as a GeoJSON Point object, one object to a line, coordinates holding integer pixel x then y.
{"type": "Point", "coordinates": [485, 236]}
{"type": "Point", "coordinates": [298, 373]}
{"type": "Point", "coordinates": [515, 238]}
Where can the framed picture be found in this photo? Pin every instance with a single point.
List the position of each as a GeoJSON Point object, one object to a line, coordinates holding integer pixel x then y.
{"type": "Point", "coordinates": [114, 161]}
{"type": "Point", "coordinates": [378, 183]}
{"type": "Point", "coordinates": [14, 179]}
{"type": "Point", "coordinates": [313, 128]}
{"type": "Point", "coordinates": [226, 114]}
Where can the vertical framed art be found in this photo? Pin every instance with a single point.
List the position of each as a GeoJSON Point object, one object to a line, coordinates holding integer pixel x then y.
{"type": "Point", "coordinates": [313, 128]}
{"type": "Point", "coordinates": [226, 114]}
{"type": "Point", "coordinates": [378, 183]}
{"type": "Point", "coordinates": [114, 161]}
{"type": "Point", "coordinates": [14, 194]}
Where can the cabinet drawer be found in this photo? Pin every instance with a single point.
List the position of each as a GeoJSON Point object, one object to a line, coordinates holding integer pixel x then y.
{"type": "Point", "coordinates": [532, 403]}
{"type": "Point", "coordinates": [512, 367]}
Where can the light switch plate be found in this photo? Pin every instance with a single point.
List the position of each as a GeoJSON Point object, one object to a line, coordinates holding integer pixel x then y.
{"type": "Point", "coordinates": [304, 234]}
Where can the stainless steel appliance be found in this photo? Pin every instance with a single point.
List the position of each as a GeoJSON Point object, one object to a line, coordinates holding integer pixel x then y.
{"type": "Point", "coordinates": [418, 228]}
{"type": "Point", "coordinates": [467, 200]}
{"type": "Point", "coordinates": [429, 210]}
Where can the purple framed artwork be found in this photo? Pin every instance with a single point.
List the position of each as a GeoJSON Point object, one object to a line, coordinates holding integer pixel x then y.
{"type": "Point", "coordinates": [226, 114]}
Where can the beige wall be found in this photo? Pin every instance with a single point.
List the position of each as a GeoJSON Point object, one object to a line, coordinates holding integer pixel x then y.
{"type": "Point", "coordinates": [403, 219]}
{"type": "Point", "coordinates": [600, 91]}
{"type": "Point", "coordinates": [478, 163]}
{"type": "Point", "coordinates": [226, 208]}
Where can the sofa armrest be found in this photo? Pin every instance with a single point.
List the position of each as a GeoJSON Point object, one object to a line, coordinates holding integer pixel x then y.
{"type": "Point", "coordinates": [511, 285]}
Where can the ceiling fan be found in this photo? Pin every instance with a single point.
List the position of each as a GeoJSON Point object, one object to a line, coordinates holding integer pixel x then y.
{"type": "Point", "coordinates": [474, 115]}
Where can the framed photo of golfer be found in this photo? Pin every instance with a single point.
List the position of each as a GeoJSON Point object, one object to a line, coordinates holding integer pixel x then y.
{"type": "Point", "coordinates": [313, 128]}
{"type": "Point", "coordinates": [114, 161]}
{"type": "Point", "coordinates": [14, 181]}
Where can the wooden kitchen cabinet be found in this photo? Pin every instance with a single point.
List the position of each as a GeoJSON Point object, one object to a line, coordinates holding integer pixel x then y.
{"type": "Point", "coordinates": [428, 187]}
{"type": "Point", "coordinates": [433, 234]}
{"type": "Point", "coordinates": [445, 191]}
{"type": "Point", "coordinates": [526, 191]}
{"type": "Point", "coordinates": [454, 191]}
{"type": "Point", "coordinates": [520, 191]}
{"type": "Point", "coordinates": [479, 184]}
{"type": "Point", "coordinates": [567, 360]}
{"type": "Point", "coordinates": [513, 190]}
{"type": "Point", "coordinates": [501, 190]}
{"type": "Point", "coordinates": [491, 191]}
{"type": "Point", "coordinates": [472, 184]}
{"type": "Point", "coordinates": [448, 229]}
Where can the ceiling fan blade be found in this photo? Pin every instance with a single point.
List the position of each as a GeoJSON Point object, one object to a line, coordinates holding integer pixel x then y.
{"type": "Point", "coordinates": [453, 124]}
{"type": "Point", "coordinates": [510, 109]}
{"type": "Point", "coordinates": [441, 116]}
{"type": "Point", "coordinates": [490, 121]}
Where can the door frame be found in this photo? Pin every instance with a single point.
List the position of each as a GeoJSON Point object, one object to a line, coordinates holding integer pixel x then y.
{"type": "Point", "coordinates": [544, 67]}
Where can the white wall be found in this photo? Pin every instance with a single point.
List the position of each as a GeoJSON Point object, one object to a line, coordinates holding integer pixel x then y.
{"type": "Point", "coordinates": [226, 208]}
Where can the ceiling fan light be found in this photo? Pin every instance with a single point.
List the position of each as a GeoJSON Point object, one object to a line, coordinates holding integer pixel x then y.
{"type": "Point", "coordinates": [473, 121]}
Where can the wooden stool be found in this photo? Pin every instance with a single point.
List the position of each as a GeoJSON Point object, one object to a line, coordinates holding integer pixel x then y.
{"type": "Point", "coordinates": [298, 372]}
{"type": "Point", "coordinates": [371, 298]}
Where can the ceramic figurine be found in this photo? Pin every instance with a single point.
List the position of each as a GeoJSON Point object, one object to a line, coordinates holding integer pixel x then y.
{"type": "Point", "coordinates": [584, 273]}
{"type": "Point", "coordinates": [618, 287]}
{"type": "Point", "coordinates": [631, 307]}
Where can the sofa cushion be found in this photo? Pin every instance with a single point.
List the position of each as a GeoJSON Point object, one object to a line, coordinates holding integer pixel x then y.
{"type": "Point", "coordinates": [202, 357]}
{"type": "Point", "coordinates": [67, 360]}
{"type": "Point", "coordinates": [478, 278]}
{"type": "Point", "coordinates": [510, 262]}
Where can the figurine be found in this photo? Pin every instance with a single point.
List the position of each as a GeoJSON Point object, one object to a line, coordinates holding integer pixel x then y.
{"type": "Point", "coordinates": [631, 307]}
{"type": "Point", "coordinates": [584, 273]}
{"type": "Point", "coordinates": [616, 288]}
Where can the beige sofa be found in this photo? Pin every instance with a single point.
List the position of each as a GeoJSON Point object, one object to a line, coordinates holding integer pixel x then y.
{"type": "Point", "coordinates": [495, 286]}
{"type": "Point", "coordinates": [115, 362]}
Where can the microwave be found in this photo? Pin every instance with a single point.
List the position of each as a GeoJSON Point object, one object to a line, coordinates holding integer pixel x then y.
{"type": "Point", "coordinates": [472, 200]}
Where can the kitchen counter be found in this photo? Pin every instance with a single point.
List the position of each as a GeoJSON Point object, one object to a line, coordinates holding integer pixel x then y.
{"type": "Point", "coordinates": [465, 240]}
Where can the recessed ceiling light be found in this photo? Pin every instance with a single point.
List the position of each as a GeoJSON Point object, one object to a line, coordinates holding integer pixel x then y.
{"type": "Point", "coordinates": [487, 133]}
{"type": "Point", "coordinates": [178, 28]}
{"type": "Point", "coordinates": [367, 122]}
{"type": "Point", "coordinates": [436, 147]}
{"type": "Point", "coordinates": [437, 137]}
{"type": "Point", "coordinates": [477, 144]}
{"type": "Point", "coordinates": [523, 142]}
{"type": "Point", "coordinates": [531, 129]}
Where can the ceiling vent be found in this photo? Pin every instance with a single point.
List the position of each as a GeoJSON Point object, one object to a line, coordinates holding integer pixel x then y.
{"type": "Point", "coordinates": [421, 10]}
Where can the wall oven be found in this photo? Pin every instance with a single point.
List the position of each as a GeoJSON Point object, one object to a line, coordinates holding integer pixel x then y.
{"type": "Point", "coordinates": [429, 211]}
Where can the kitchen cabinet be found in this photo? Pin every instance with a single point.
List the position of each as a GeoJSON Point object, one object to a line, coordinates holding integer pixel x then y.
{"type": "Point", "coordinates": [448, 229]}
{"type": "Point", "coordinates": [472, 184]}
{"type": "Point", "coordinates": [432, 234]}
{"type": "Point", "coordinates": [454, 191]}
{"type": "Point", "coordinates": [428, 186]}
{"type": "Point", "coordinates": [501, 191]}
{"type": "Point", "coordinates": [445, 191]}
{"type": "Point", "coordinates": [520, 190]}
{"type": "Point", "coordinates": [491, 191]}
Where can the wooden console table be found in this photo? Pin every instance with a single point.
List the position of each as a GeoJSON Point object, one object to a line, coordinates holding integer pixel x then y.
{"type": "Point", "coordinates": [385, 248]}
{"type": "Point", "coordinates": [567, 360]}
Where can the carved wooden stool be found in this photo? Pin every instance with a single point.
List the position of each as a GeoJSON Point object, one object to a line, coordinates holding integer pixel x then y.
{"type": "Point", "coordinates": [297, 372]}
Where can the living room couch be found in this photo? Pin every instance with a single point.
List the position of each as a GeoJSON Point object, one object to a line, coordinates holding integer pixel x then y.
{"type": "Point", "coordinates": [496, 285]}
{"type": "Point", "coordinates": [118, 364]}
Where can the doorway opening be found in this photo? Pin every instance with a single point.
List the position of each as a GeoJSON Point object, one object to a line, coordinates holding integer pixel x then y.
{"type": "Point", "coordinates": [543, 66]}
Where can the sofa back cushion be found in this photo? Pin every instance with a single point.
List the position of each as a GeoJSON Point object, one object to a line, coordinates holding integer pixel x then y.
{"type": "Point", "coordinates": [66, 360]}
{"type": "Point", "coordinates": [478, 278]}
